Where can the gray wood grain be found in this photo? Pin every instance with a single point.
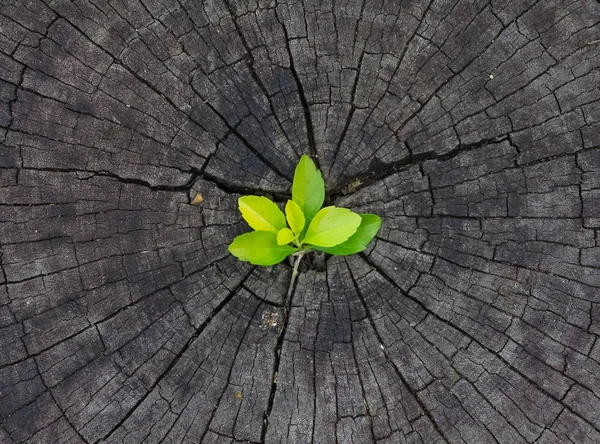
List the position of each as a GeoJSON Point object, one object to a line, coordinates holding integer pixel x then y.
{"type": "Point", "coordinates": [128, 130]}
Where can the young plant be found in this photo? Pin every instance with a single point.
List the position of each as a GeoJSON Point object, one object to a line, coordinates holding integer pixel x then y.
{"type": "Point", "coordinates": [305, 226]}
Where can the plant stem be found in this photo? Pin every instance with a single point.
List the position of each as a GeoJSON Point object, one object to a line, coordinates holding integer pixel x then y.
{"type": "Point", "coordinates": [299, 256]}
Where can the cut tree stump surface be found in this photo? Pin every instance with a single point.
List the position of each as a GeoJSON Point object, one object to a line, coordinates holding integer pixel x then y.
{"type": "Point", "coordinates": [128, 131]}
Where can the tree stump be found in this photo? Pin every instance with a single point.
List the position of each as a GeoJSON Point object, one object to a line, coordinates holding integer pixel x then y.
{"type": "Point", "coordinates": [129, 129]}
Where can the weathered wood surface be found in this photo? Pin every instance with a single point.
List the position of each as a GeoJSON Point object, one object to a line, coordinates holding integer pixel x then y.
{"type": "Point", "coordinates": [471, 127]}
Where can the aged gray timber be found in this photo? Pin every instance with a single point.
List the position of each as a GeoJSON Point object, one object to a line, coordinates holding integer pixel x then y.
{"type": "Point", "coordinates": [471, 126]}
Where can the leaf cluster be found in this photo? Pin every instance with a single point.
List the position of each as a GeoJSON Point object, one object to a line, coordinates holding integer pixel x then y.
{"type": "Point", "coordinates": [305, 226]}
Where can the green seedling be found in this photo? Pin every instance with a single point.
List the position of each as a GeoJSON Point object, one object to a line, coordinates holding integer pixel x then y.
{"type": "Point", "coordinates": [304, 227]}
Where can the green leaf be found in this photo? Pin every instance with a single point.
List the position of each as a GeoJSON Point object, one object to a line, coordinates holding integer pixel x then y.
{"type": "Point", "coordinates": [308, 188]}
{"type": "Point", "coordinates": [285, 236]}
{"type": "Point", "coordinates": [358, 241]}
{"type": "Point", "coordinates": [295, 217]}
{"type": "Point", "coordinates": [332, 226]}
{"type": "Point", "coordinates": [261, 213]}
{"type": "Point", "coordinates": [260, 248]}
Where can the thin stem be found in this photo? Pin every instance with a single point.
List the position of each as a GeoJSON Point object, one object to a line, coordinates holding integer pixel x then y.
{"type": "Point", "coordinates": [298, 256]}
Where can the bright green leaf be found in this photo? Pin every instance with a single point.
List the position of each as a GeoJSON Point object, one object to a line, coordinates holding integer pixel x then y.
{"type": "Point", "coordinates": [285, 236]}
{"type": "Point", "coordinates": [295, 217]}
{"type": "Point", "coordinates": [260, 248]}
{"type": "Point", "coordinates": [331, 226]}
{"type": "Point", "coordinates": [358, 241]}
{"type": "Point", "coordinates": [308, 188]}
{"type": "Point", "coordinates": [261, 213]}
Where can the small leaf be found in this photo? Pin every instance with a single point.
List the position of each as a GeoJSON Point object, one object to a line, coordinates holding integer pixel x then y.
{"type": "Point", "coordinates": [295, 217]}
{"type": "Point", "coordinates": [332, 226]}
{"type": "Point", "coordinates": [285, 236]}
{"type": "Point", "coordinates": [358, 241]}
{"type": "Point", "coordinates": [261, 213]}
{"type": "Point", "coordinates": [260, 248]}
{"type": "Point", "coordinates": [308, 188]}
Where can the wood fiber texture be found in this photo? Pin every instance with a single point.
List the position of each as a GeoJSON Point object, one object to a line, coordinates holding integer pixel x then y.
{"type": "Point", "coordinates": [128, 130]}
